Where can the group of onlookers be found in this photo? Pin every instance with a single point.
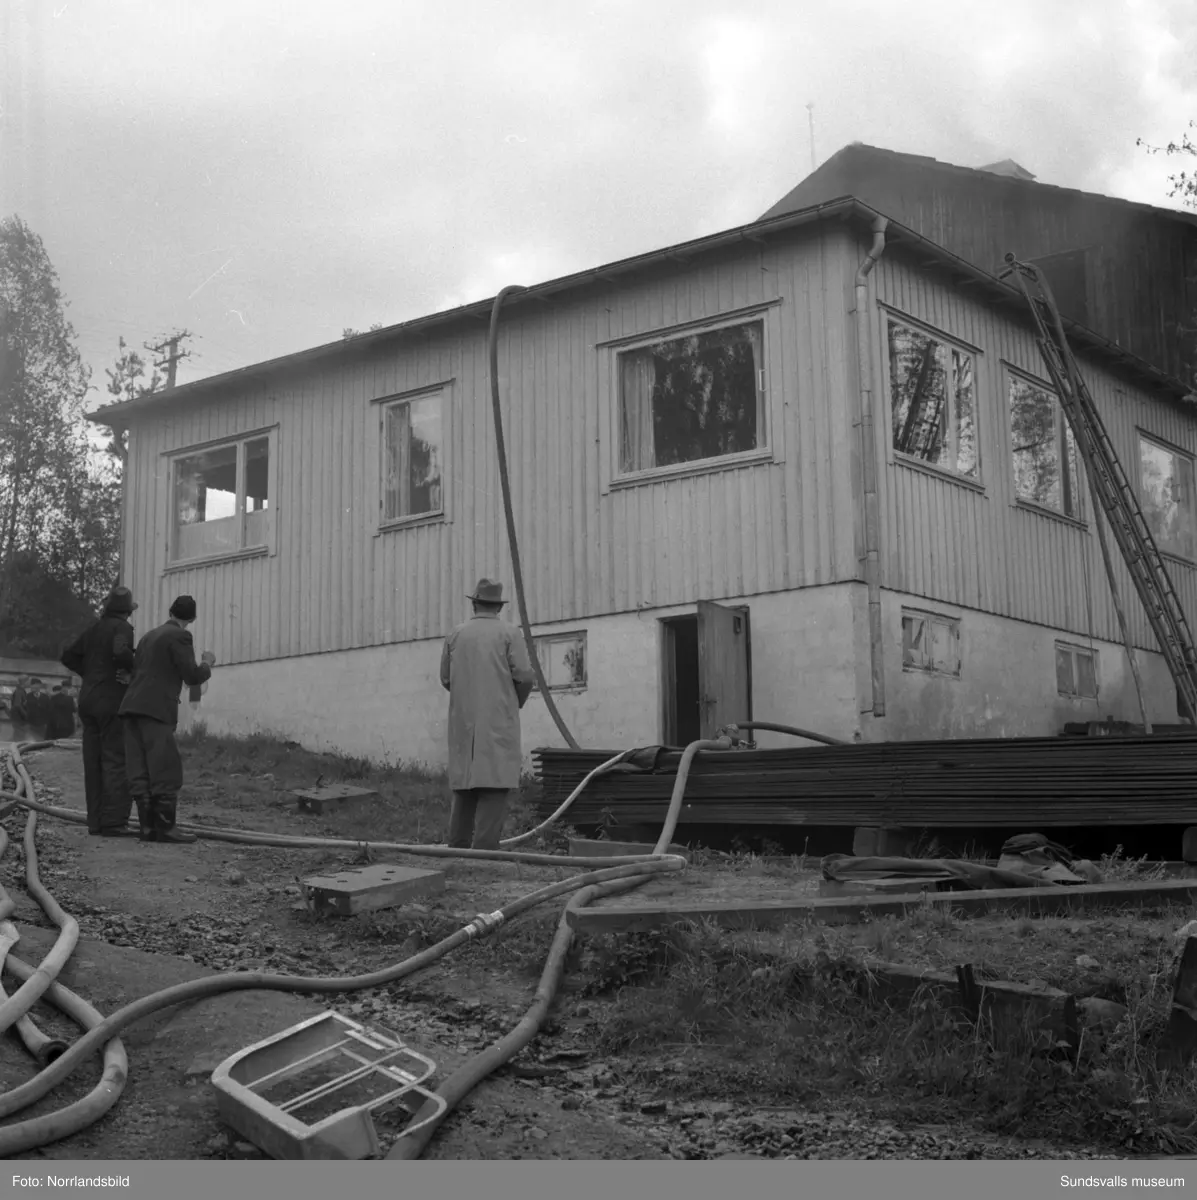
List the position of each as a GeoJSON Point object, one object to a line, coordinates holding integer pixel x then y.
{"type": "Point", "coordinates": [49, 715]}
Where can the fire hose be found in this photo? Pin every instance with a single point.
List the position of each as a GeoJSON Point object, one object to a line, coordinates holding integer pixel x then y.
{"type": "Point", "coordinates": [57, 1062]}
{"type": "Point", "coordinates": [616, 874]}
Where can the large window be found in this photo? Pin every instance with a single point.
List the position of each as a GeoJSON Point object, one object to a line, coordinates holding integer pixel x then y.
{"type": "Point", "coordinates": [691, 399]}
{"type": "Point", "coordinates": [1045, 454]}
{"type": "Point", "coordinates": [1168, 502]}
{"type": "Point", "coordinates": [412, 449]}
{"type": "Point", "coordinates": [932, 400]}
{"type": "Point", "coordinates": [222, 502]}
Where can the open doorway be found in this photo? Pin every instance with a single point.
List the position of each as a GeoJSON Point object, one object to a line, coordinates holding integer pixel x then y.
{"type": "Point", "coordinates": [706, 668]}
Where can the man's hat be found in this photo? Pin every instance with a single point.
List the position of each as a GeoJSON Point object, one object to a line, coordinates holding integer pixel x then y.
{"type": "Point", "coordinates": [488, 591]}
{"type": "Point", "coordinates": [183, 609]}
{"type": "Point", "coordinates": [120, 602]}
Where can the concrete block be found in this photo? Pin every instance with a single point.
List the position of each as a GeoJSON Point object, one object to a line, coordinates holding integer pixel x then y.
{"type": "Point", "coordinates": [1188, 850]}
{"type": "Point", "coordinates": [585, 848]}
{"type": "Point", "coordinates": [316, 800]}
{"type": "Point", "coordinates": [1179, 1042]}
{"type": "Point", "coordinates": [365, 889]}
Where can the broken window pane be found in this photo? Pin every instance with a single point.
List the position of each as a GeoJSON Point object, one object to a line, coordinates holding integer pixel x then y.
{"type": "Point", "coordinates": [1038, 430]}
{"type": "Point", "coordinates": [563, 660]}
{"type": "Point", "coordinates": [412, 444]}
{"type": "Point", "coordinates": [932, 400]}
{"type": "Point", "coordinates": [691, 398]}
{"type": "Point", "coordinates": [206, 503]}
{"type": "Point", "coordinates": [913, 648]}
{"type": "Point", "coordinates": [1168, 501]}
{"type": "Point", "coordinates": [930, 643]}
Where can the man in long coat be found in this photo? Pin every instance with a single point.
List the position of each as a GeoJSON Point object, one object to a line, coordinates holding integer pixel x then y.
{"type": "Point", "coordinates": [485, 669]}
{"type": "Point", "coordinates": [163, 663]}
{"type": "Point", "coordinates": [102, 656]}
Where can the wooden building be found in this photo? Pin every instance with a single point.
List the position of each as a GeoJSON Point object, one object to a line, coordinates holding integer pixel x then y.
{"type": "Point", "coordinates": [807, 470]}
{"type": "Point", "coordinates": [1126, 270]}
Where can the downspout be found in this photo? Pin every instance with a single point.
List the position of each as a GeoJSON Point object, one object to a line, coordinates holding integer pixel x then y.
{"type": "Point", "coordinates": [868, 440]}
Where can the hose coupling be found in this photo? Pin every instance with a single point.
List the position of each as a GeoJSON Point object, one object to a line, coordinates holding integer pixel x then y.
{"type": "Point", "coordinates": [484, 923]}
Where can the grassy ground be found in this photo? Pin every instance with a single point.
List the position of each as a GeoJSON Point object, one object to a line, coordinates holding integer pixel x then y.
{"type": "Point", "coordinates": [765, 1019]}
{"type": "Point", "coordinates": [414, 802]}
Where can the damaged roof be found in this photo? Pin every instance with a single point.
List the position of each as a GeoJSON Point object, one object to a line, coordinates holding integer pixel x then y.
{"type": "Point", "coordinates": [860, 155]}
{"type": "Point", "coordinates": [846, 209]}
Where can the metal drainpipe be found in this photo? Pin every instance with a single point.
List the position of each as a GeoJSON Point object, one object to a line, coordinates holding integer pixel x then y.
{"type": "Point", "coordinates": [872, 516]}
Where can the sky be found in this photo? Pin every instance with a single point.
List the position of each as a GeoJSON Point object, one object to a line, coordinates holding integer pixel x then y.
{"type": "Point", "coordinates": [266, 174]}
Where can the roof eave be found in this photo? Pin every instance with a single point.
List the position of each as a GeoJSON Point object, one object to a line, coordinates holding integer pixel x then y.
{"type": "Point", "coordinates": [843, 208]}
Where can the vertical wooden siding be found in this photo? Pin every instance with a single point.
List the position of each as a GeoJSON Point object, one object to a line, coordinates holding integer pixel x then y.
{"type": "Point", "coordinates": [335, 583]}
{"type": "Point", "coordinates": [947, 542]}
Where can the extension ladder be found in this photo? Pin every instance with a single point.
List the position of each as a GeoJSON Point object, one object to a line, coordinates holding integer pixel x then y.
{"type": "Point", "coordinates": [1148, 572]}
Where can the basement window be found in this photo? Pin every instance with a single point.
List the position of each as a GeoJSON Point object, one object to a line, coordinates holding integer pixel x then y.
{"type": "Point", "coordinates": [1166, 487]}
{"type": "Point", "coordinates": [563, 660]}
{"type": "Point", "coordinates": [412, 448]}
{"type": "Point", "coordinates": [932, 400]}
{"type": "Point", "coordinates": [1076, 671]}
{"type": "Point", "coordinates": [222, 499]}
{"type": "Point", "coordinates": [930, 643]}
{"type": "Point", "coordinates": [1046, 471]}
{"type": "Point", "coordinates": [693, 398]}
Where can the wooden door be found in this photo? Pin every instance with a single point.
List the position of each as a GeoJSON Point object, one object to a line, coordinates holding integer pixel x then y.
{"type": "Point", "coordinates": [724, 667]}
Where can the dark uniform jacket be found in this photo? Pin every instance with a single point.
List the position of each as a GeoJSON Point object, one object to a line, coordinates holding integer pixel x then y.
{"type": "Point", "coordinates": [37, 710]}
{"type": "Point", "coordinates": [101, 656]}
{"type": "Point", "coordinates": [20, 703]}
{"type": "Point", "coordinates": [164, 662]}
{"type": "Point", "coordinates": [61, 723]}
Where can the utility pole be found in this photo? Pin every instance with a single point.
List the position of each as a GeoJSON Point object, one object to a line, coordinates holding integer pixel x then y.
{"type": "Point", "coordinates": [810, 113]}
{"type": "Point", "coordinates": [173, 358]}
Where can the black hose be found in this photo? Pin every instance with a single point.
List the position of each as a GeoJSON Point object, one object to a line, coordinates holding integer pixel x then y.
{"type": "Point", "coordinates": [508, 510]}
{"type": "Point", "coordinates": [770, 727]}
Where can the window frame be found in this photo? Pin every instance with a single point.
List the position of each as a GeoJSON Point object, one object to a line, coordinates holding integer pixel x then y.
{"type": "Point", "coordinates": [1073, 649]}
{"type": "Point", "coordinates": [888, 313]}
{"type": "Point", "coordinates": [241, 440]}
{"type": "Point", "coordinates": [931, 619]}
{"type": "Point", "coordinates": [1144, 435]}
{"type": "Point", "coordinates": [442, 392]}
{"type": "Point", "coordinates": [1079, 518]}
{"type": "Point", "coordinates": [574, 635]}
{"type": "Point", "coordinates": [769, 424]}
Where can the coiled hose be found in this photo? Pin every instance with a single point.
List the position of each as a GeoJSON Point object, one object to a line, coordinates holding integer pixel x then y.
{"type": "Point", "coordinates": [615, 875]}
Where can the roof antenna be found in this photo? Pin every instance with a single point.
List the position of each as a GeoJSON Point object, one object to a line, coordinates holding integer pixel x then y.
{"type": "Point", "coordinates": [810, 112]}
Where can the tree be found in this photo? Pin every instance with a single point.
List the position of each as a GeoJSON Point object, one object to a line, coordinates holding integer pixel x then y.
{"type": "Point", "coordinates": [126, 381]}
{"type": "Point", "coordinates": [1184, 183]}
{"type": "Point", "coordinates": [43, 383]}
{"type": "Point", "coordinates": [348, 333]}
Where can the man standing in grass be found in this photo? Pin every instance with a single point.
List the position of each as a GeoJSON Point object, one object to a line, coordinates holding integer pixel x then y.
{"type": "Point", "coordinates": [164, 662]}
{"type": "Point", "coordinates": [485, 669]}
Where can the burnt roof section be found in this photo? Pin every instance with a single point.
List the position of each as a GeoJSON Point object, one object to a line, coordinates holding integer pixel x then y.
{"type": "Point", "coordinates": [859, 155]}
{"type": "Point", "coordinates": [845, 209]}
